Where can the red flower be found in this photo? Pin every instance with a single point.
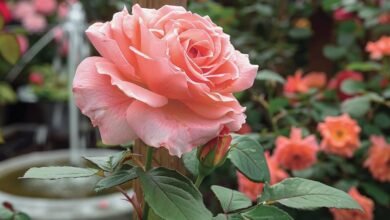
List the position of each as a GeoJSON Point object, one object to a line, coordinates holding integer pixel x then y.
{"type": "Point", "coordinates": [36, 78]}
{"type": "Point", "coordinates": [298, 83]}
{"type": "Point", "coordinates": [341, 14]}
{"type": "Point", "coordinates": [338, 80]}
{"type": "Point", "coordinates": [5, 12]}
{"type": "Point", "coordinates": [245, 129]}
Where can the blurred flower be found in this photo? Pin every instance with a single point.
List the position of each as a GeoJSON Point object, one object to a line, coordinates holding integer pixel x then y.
{"type": "Point", "coordinates": [338, 80]}
{"type": "Point", "coordinates": [299, 84]}
{"type": "Point", "coordinates": [23, 43]}
{"type": "Point", "coordinates": [45, 7]}
{"type": "Point", "coordinates": [5, 12]}
{"type": "Point", "coordinates": [366, 203]}
{"type": "Point", "coordinates": [296, 153]}
{"type": "Point", "coordinates": [378, 161]}
{"type": "Point", "coordinates": [62, 10]}
{"type": "Point", "coordinates": [34, 23]}
{"type": "Point", "coordinates": [384, 18]}
{"type": "Point", "coordinates": [341, 14]}
{"type": "Point", "coordinates": [23, 9]}
{"type": "Point", "coordinates": [245, 129]}
{"type": "Point", "coordinates": [252, 189]}
{"type": "Point", "coordinates": [379, 48]}
{"type": "Point", "coordinates": [302, 23]}
{"type": "Point", "coordinates": [36, 78]}
{"type": "Point", "coordinates": [340, 135]}
{"type": "Point", "coordinates": [214, 152]}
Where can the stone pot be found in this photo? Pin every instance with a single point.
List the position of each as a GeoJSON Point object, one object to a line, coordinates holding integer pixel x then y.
{"type": "Point", "coordinates": [103, 207]}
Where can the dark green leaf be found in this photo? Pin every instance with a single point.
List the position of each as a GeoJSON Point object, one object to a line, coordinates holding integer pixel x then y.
{"type": "Point", "coordinates": [58, 172]}
{"type": "Point", "coordinates": [171, 195]}
{"type": "Point", "coordinates": [228, 217]}
{"type": "Point", "coordinates": [9, 47]}
{"type": "Point", "coordinates": [382, 120]}
{"type": "Point", "coordinates": [379, 195]}
{"type": "Point", "coordinates": [307, 194]}
{"type": "Point", "coordinates": [364, 66]}
{"type": "Point", "coordinates": [247, 156]}
{"type": "Point", "coordinates": [269, 75]}
{"type": "Point", "coordinates": [333, 52]}
{"type": "Point", "coordinates": [265, 212]}
{"type": "Point", "coordinates": [191, 162]}
{"type": "Point", "coordinates": [351, 87]}
{"type": "Point", "coordinates": [356, 106]}
{"type": "Point", "coordinates": [21, 216]}
{"type": "Point", "coordinates": [117, 178]}
{"type": "Point", "coordinates": [300, 33]}
{"type": "Point", "coordinates": [277, 104]}
{"type": "Point", "coordinates": [231, 200]}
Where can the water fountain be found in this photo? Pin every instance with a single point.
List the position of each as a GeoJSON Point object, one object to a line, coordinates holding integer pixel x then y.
{"type": "Point", "coordinates": [70, 199]}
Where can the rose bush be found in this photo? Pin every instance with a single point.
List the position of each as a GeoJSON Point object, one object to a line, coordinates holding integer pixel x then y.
{"type": "Point", "coordinates": [165, 76]}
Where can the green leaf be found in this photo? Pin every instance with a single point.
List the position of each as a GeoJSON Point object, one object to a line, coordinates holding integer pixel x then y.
{"type": "Point", "coordinates": [5, 213]}
{"type": "Point", "coordinates": [265, 212]}
{"type": "Point", "coordinates": [356, 106]}
{"type": "Point", "coordinates": [364, 66]}
{"type": "Point", "coordinates": [382, 120]}
{"type": "Point", "coordinates": [231, 200]}
{"type": "Point", "coordinates": [300, 33]}
{"type": "Point", "coordinates": [107, 163]}
{"type": "Point", "coordinates": [58, 172]}
{"type": "Point", "coordinates": [117, 178]}
{"type": "Point", "coordinates": [7, 94]}
{"type": "Point", "coordinates": [334, 52]}
{"type": "Point", "coordinates": [307, 194]}
{"type": "Point", "coordinates": [247, 155]}
{"type": "Point", "coordinates": [268, 75]}
{"type": "Point", "coordinates": [379, 195]}
{"type": "Point", "coordinates": [9, 47]}
{"type": "Point", "coordinates": [21, 216]}
{"type": "Point", "coordinates": [1, 23]}
{"type": "Point", "coordinates": [234, 216]}
{"type": "Point", "coordinates": [329, 5]}
{"type": "Point", "coordinates": [191, 162]}
{"type": "Point", "coordinates": [277, 104]}
{"type": "Point", "coordinates": [351, 87]}
{"type": "Point", "coordinates": [171, 195]}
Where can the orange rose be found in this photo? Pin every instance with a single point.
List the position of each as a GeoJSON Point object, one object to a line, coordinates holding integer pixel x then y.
{"type": "Point", "coordinates": [378, 160]}
{"type": "Point", "coordinates": [296, 153]}
{"type": "Point", "coordinates": [366, 203]}
{"type": "Point", "coordinates": [340, 135]}
{"type": "Point", "coordinates": [379, 48]}
{"type": "Point", "coordinates": [252, 189]}
{"type": "Point", "coordinates": [302, 84]}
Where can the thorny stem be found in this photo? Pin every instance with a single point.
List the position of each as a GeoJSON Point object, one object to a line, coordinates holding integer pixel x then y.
{"type": "Point", "coordinates": [136, 206]}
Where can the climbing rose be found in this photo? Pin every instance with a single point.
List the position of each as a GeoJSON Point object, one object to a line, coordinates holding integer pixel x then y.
{"type": "Point", "coordinates": [366, 203]}
{"type": "Point", "coordinates": [339, 79]}
{"type": "Point", "coordinates": [45, 7]}
{"type": "Point", "coordinates": [298, 83]}
{"type": "Point", "coordinates": [166, 76]}
{"type": "Point", "coordinates": [296, 153]}
{"type": "Point", "coordinates": [253, 189]}
{"type": "Point", "coordinates": [340, 135]}
{"type": "Point", "coordinates": [379, 48]}
{"type": "Point", "coordinates": [378, 161]}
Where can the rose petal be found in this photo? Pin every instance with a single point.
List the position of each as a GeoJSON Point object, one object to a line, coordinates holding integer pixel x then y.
{"type": "Point", "coordinates": [173, 126]}
{"type": "Point", "coordinates": [103, 103]}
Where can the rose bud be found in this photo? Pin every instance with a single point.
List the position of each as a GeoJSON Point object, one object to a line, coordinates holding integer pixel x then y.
{"type": "Point", "coordinates": [213, 153]}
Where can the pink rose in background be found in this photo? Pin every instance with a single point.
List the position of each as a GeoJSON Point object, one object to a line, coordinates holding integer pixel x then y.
{"type": "Point", "coordinates": [23, 9]}
{"type": "Point", "coordinates": [338, 80]}
{"type": "Point", "coordinates": [23, 43]}
{"type": "Point", "coordinates": [36, 78]}
{"type": "Point", "coordinates": [341, 14]}
{"type": "Point", "coordinates": [45, 7]}
{"type": "Point", "coordinates": [5, 13]}
{"type": "Point", "coordinates": [34, 23]}
{"type": "Point", "coordinates": [62, 10]}
{"type": "Point", "coordinates": [165, 76]}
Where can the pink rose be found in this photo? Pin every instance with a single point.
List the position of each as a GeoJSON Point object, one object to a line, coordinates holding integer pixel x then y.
{"type": "Point", "coordinates": [165, 76]}
{"type": "Point", "coordinates": [23, 43]}
{"type": "Point", "coordinates": [45, 7]}
{"type": "Point", "coordinates": [34, 23]}
{"type": "Point", "coordinates": [23, 9]}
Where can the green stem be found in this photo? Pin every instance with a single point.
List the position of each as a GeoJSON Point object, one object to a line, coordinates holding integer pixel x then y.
{"type": "Point", "coordinates": [148, 166]}
{"type": "Point", "coordinates": [199, 180]}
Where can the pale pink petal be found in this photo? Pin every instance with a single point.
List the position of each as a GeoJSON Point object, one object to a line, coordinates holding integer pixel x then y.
{"type": "Point", "coordinates": [173, 126]}
{"type": "Point", "coordinates": [248, 74]}
{"type": "Point", "coordinates": [102, 102]}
